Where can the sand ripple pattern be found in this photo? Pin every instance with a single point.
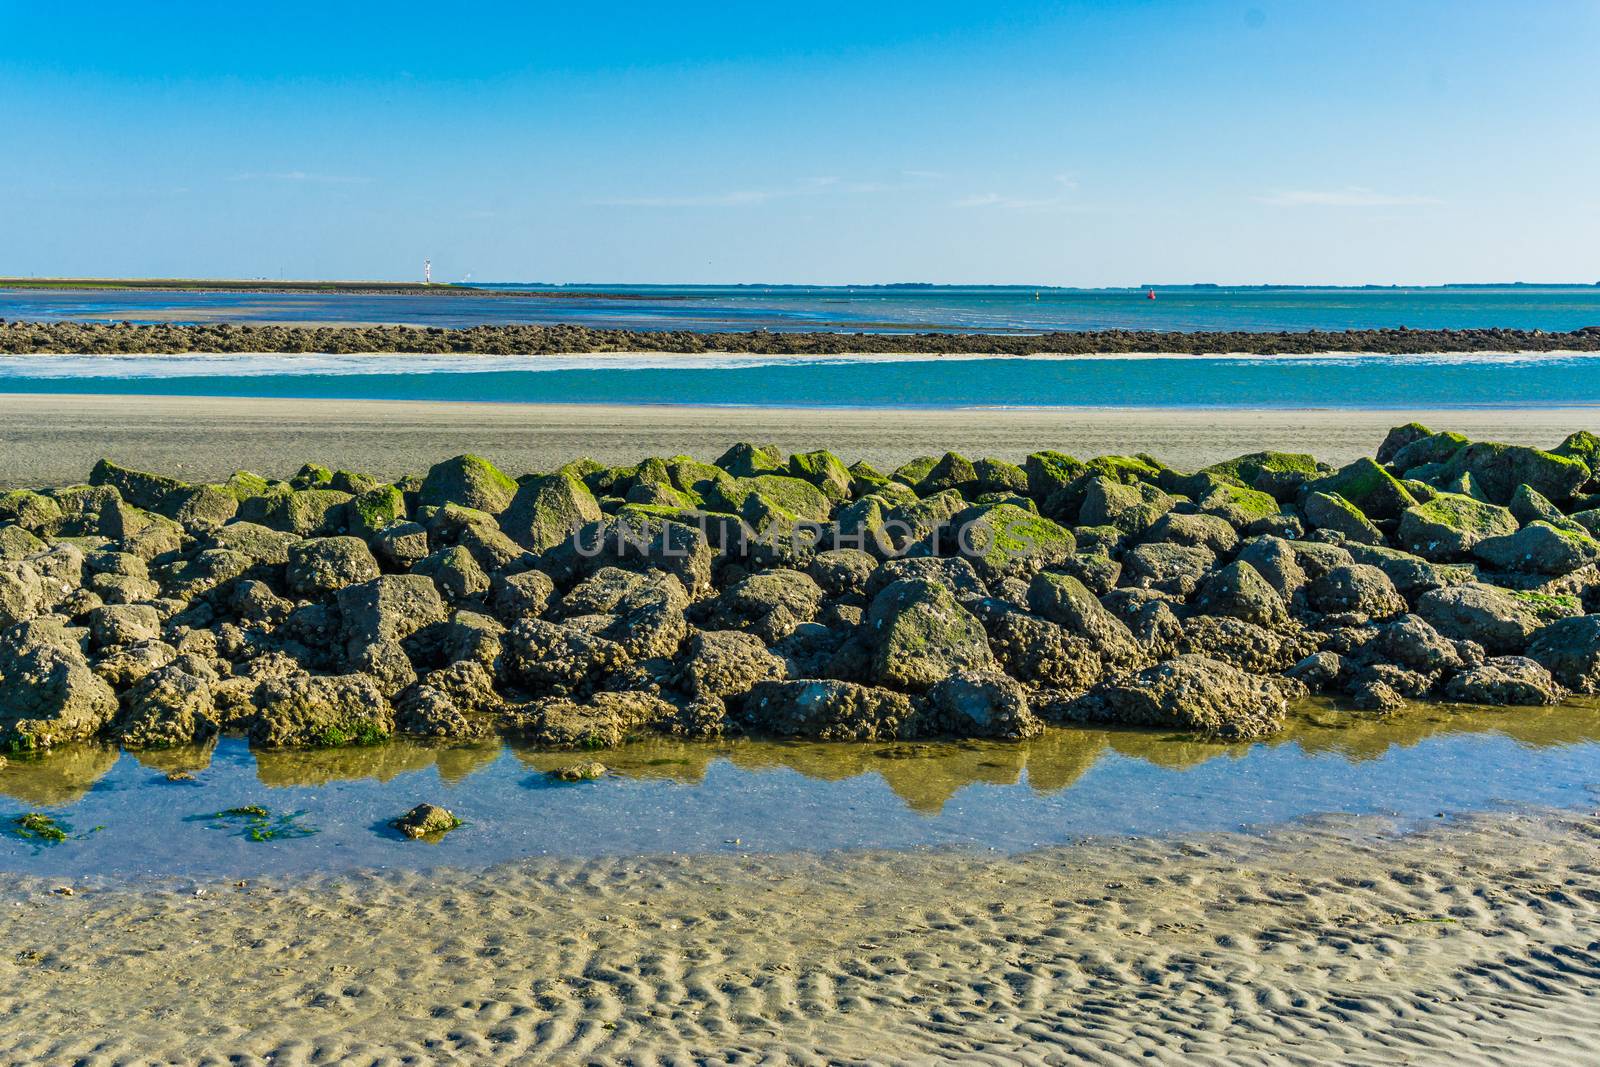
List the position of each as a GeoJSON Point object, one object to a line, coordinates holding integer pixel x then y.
{"type": "Point", "coordinates": [1333, 942]}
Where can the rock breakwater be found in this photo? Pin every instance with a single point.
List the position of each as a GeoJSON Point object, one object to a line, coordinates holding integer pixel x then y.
{"type": "Point", "coordinates": [796, 596]}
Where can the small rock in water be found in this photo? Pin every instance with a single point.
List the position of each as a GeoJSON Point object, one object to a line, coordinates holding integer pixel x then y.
{"type": "Point", "coordinates": [426, 820]}
{"type": "Point", "coordinates": [179, 776]}
{"type": "Point", "coordinates": [580, 772]}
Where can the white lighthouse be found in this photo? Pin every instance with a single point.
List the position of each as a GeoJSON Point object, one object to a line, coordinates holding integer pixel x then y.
{"type": "Point", "coordinates": [427, 272]}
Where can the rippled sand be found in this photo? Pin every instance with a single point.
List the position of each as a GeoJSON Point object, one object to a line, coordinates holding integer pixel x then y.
{"type": "Point", "coordinates": [52, 439]}
{"type": "Point", "coordinates": [1317, 944]}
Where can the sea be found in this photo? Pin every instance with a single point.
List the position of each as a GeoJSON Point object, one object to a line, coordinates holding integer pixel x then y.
{"type": "Point", "coordinates": [1434, 381]}
{"type": "Point", "coordinates": [872, 309]}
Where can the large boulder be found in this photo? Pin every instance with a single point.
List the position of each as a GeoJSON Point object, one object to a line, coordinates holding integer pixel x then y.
{"type": "Point", "coordinates": [559, 659]}
{"type": "Point", "coordinates": [1413, 643]}
{"type": "Point", "coordinates": [48, 694]}
{"type": "Point", "coordinates": [320, 711]}
{"type": "Point", "coordinates": [1482, 613]}
{"type": "Point", "coordinates": [547, 511]}
{"type": "Point", "coordinates": [1066, 601]}
{"type": "Point", "coordinates": [470, 481]}
{"type": "Point", "coordinates": [1496, 470]}
{"type": "Point", "coordinates": [1004, 540]}
{"type": "Point", "coordinates": [827, 711]}
{"type": "Point", "coordinates": [1238, 591]}
{"type": "Point", "coordinates": [321, 565]}
{"type": "Point", "coordinates": [725, 663]}
{"type": "Point", "coordinates": [1503, 680]}
{"type": "Point", "coordinates": [1130, 508]}
{"type": "Point", "coordinates": [1326, 511]}
{"type": "Point", "coordinates": [22, 592]}
{"type": "Point", "coordinates": [1447, 528]}
{"type": "Point", "coordinates": [1211, 532]}
{"type": "Point", "coordinates": [389, 608]}
{"type": "Point", "coordinates": [1192, 693]}
{"type": "Point", "coordinates": [1040, 653]}
{"type": "Point", "coordinates": [1539, 548]}
{"type": "Point", "coordinates": [920, 635]}
{"type": "Point", "coordinates": [982, 704]}
{"type": "Point", "coordinates": [1372, 490]}
{"type": "Point", "coordinates": [769, 604]}
{"type": "Point", "coordinates": [1167, 568]}
{"type": "Point", "coordinates": [169, 707]}
{"type": "Point", "coordinates": [1570, 650]}
{"type": "Point", "coordinates": [1357, 587]}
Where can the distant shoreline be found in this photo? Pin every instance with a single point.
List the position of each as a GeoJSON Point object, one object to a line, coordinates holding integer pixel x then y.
{"type": "Point", "coordinates": [73, 338]}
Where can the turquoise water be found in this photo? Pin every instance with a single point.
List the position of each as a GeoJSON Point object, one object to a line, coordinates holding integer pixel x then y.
{"type": "Point", "coordinates": [1294, 382]}
{"type": "Point", "coordinates": [800, 308]}
{"type": "Point", "coordinates": [667, 796]}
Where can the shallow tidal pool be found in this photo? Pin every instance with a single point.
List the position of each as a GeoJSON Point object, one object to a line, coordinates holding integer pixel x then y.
{"type": "Point", "coordinates": [128, 816]}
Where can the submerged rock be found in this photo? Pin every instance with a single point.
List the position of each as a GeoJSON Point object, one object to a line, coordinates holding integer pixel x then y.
{"type": "Point", "coordinates": [426, 820]}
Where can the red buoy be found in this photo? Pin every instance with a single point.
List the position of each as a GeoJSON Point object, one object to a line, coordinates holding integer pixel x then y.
{"type": "Point", "coordinates": [1151, 295]}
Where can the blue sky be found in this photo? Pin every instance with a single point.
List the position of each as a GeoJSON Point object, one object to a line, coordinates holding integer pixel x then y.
{"type": "Point", "coordinates": [1051, 143]}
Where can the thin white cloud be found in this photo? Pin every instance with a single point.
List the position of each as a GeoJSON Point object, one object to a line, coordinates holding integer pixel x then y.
{"type": "Point", "coordinates": [1057, 201]}
{"type": "Point", "coordinates": [746, 197]}
{"type": "Point", "coordinates": [300, 176]}
{"type": "Point", "coordinates": [1349, 196]}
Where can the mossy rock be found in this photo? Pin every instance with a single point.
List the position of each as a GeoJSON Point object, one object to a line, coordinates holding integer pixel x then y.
{"type": "Point", "coordinates": [201, 506]}
{"type": "Point", "coordinates": [913, 471]}
{"type": "Point", "coordinates": [375, 509]}
{"type": "Point", "coordinates": [1126, 469]}
{"type": "Point", "coordinates": [1050, 472]}
{"type": "Point", "coordinates": [999, 476]}
{"type": "Point", "coordinates": [312, 476]}
{"type": "Point", "coordinates": [353, 482]}
{"type": "Point", "coordinates": [1250, 504]}
{"type": "Point", "coordinates": [952, 471]}
{"type": "Point", "coordinates": [1583, 446]}
{"type": "Point", "coordinates": [297, 511]}
{"type": "Point", "coordinates": [694, 479]}
{"type": "Point", "coordinates": [1426, 451]}
{"type": "Point", "coordinates": [1247, 468]}
{"type": "Point", "coordinates": [793, 496]}
{"type": "Point", "coordinates": [746, 460]}
{"type": "Point", "coordinates": [470, 481]}
{"type": "Point", "coordinates": [1445, 529]}
{"type": "Point", "coordinates": [243, 485]}
{"type": "Point", "coordinates": [547, 511]}
{"type": "Point", "coordinates": [139, 488]}
{"type": "Point", "coordinates": [1398, 438]}
{"type": "Point", "coordinates": [1328, 511]}
{"type": "Point", "coordinates": [824, 470]}
{"type": "Point", "coordinates": [29, 510]}
{"type": "Point", "coordinates": [1004, 540]}
{"type": "Point", "coordinates": [1498, 469]}
{"type": "Point", "coordinates": [1374, 491]}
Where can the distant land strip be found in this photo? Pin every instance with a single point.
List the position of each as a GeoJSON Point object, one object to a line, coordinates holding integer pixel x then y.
{"type": "Point", "coordinates": [42, 338]}
{"type": "Point", "coordinates": [259, 285]}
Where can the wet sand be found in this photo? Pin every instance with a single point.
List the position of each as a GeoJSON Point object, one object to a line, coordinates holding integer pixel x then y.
{"type": "Point", "coordinates": [1335, 942]}
{"type": "Point", "coordinates": [54, 439]}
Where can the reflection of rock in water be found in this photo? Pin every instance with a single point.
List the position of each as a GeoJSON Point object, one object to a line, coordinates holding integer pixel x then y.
{"type": "Point", "coordinates": [1059, 758]}
{"type": "Point", "coordinates": [648, 758]}
{"type": "Point", "coordinates": [1358, 736]}
{"type": "Point", "coordinates": [319, 766]}
{"type": "Point", "coordinates": [192, 758]}
{"type": "Point", "coordinates": [61, 776]}
{"type": "Point", "coordinates": [457, 762]}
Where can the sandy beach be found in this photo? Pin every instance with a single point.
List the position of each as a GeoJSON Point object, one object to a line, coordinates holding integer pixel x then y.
{"type": "Point", "coordinates": [57, 438]}
{"type": "Point", "coordinates": [1340, 941]}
